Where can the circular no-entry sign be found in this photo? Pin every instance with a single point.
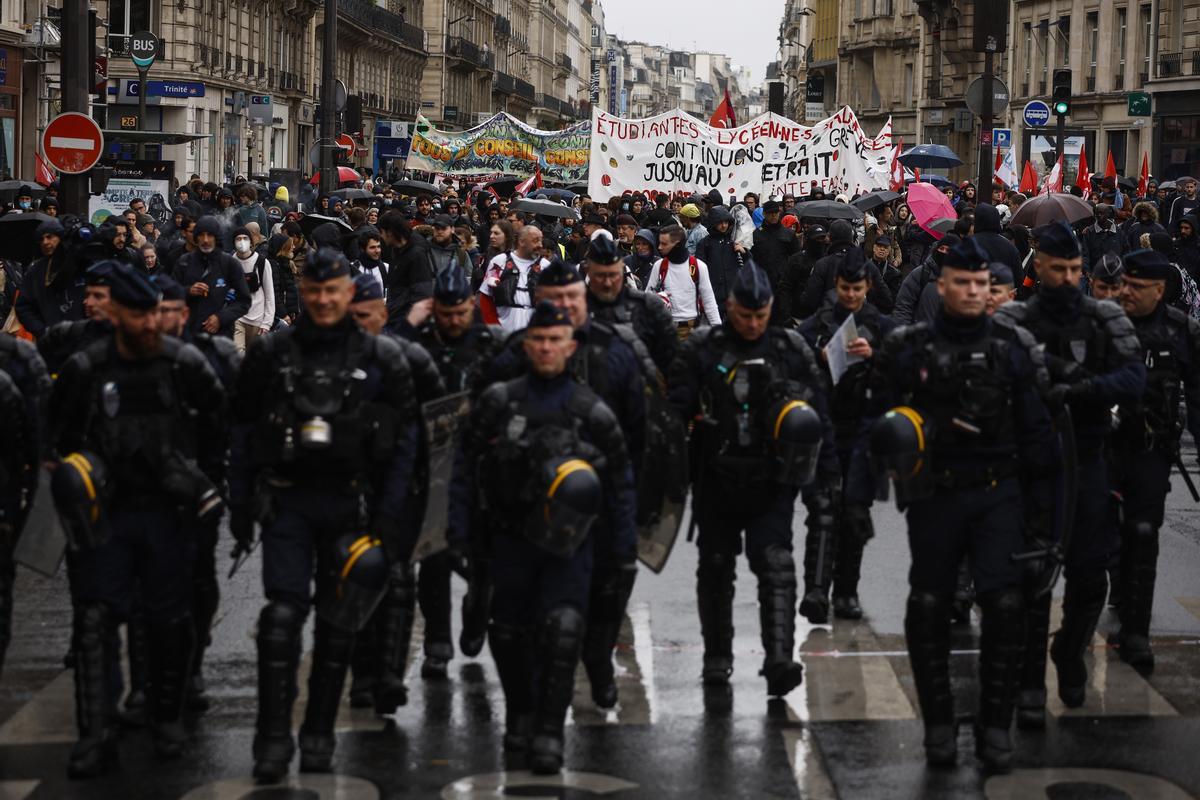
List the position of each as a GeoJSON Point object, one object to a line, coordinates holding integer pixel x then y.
{"type": "Point", "coordinates": [346, 142]}
{"type": "Point", "coordinates": [143, 49]}
{"type": "Point", "coordinates": [72, 142]}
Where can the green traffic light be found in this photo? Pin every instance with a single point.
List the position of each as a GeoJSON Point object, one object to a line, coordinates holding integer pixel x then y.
{"type": "Point", "coordinates": [1061, 107]}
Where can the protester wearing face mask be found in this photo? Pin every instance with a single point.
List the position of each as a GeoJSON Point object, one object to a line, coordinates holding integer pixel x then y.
{"type": "Point", "coordinates": [261, 283]}
{"type": "Point", "coordinates": [799, 266]}
{"type": "Point", "coordinates": [918, 299]}
{"type": "Point", "coordinates": [24, 200]}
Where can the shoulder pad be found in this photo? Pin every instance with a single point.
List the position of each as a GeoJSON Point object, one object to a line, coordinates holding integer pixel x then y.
{"type": "Point", "coordinates": [23, 349]}
{"type": "Point", "coordinates": [905, 335]}
{"type": "Point", "coordinates": [709, 333]}
{"type": "Point", "coordinates": [1176, 316]}
{"type": "Point", "coordinates": [386, 350]}
{"type": "Point", "coordinates": [225, 347]}
{"type": "Point", "coordinates": [1015, 312]}
{"type": "Point", "coordinates": [1101, 309]}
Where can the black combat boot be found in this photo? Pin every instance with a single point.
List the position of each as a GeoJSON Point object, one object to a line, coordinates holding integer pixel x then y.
{"type": "Point", "coordinates": [330, 661]}
{"type": "Point", "coordinates": [206, 597]}
{"type": "Point", "coordinates": [1031, 693]}
{"type": "Point", "coordinates": [170, 655]}
{"type": "Point", "coordinates": [433, 593]}
{"type": "Point", "coordinates": [819, 549]}
{"type": "Point", "coordinates": [611, 588]}
{"type": "Point", "coordinates": [476, 608]}
{"type": "Point", "coordinates": [715, 576]}
{"type": "Point", "coordinates": [776, 603]}
{"type": "Point", "coordinates": [512, 650]}
{"type": "Point", "coordinates": [1138, 569]}
{"type": "Point", "coordinates": [395, 635]}
{"type": "Point", "coordinates": [845, 578]}
{"type": "Point", "coordinates": [927, 631]}
{"type": "Point", "coordinates": [279, 627]}
{"type": "Point", "coordinates": [96, 750]}
{"type": "Point", "coordinates": [364, 664]}
{"type": "Point", "coordinates": [560, 640]}
{"type": "Point", "coordinates": [1083, 601]}
{"type": "Point", "coordinates": [1003, 627]}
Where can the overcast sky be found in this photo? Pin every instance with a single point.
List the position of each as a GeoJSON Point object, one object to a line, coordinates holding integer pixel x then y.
{"type": "Point", "coordinates": [718, 26]}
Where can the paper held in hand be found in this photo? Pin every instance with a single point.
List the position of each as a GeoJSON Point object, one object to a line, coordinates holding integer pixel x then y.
{"type": "Point", "coordinates": [836, 351]}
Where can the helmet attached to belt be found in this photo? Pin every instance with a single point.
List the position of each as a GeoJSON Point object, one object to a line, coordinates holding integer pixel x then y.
{"type": "Point", "coordinates": [566, 507]}
{"type": "Point", "coordinates": [358, 583]}
{"type": "Point", "coordinates": [79, 487]}
{"type": "Point", "coordinates": [900, 453]}
{"type": "Point", "coordinates": [795, 438]}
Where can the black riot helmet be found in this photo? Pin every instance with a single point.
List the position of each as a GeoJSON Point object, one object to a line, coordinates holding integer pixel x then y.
{"type": "Point", "coordinates": [795, 436]}
{"type": "Point", "coordinates": [359, 582]}
{"type": "Point", "coordinates": [567, 506]}
{"type": "Point", "coordinates": [79, 487]}
{"type": "Point", "coordinates": [899, 448]}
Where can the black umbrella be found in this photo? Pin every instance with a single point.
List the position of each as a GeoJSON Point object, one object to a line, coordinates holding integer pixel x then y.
{"type": "Point", "coordinates": [564, 195]}
{"type": "Point", "coordinates": [546, 207]}
{"type": "Point", "coordinates": [17, 240]}
{"type": "Point", "coordinates": [502, 186]}
{"type": "Point", "coordinates": [875, 199]}
{"type": "Point", "coordinates": [1129, 184]}
{"type": "Point", "coordinates": [411, 187]}
{"type": "Point", "coordinates": [828, 209]}
{"type": "Point", "coordinates": [355, 194]}
{"type": "Point", "coordinates": [310, 222]}
{"type": "Point", "coordinates": [1170, 186]}
{"type": "Point", "coordinates": [1054, 207]}
{"type": "Point", "coordinates": [930, 156]}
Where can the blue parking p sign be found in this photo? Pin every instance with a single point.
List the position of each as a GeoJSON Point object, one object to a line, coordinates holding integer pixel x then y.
{"type": "Point", "coordinates": [1002, 138]}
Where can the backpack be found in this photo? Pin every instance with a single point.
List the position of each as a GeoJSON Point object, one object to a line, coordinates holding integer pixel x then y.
{"type": "Point", "coordinates": [693, 270]}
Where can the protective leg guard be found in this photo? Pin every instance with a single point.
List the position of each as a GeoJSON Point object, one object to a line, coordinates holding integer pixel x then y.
{"type": "Point", "coordinates": [819, 546]}
{"type": "Point", "coordinates": [715, 576]}
{"type": "Point", "coordinates": [560, 639]}
{"type": "Point", "coordinates": [395, 634]}
{"type": "Point", "coordinates": [606, 610]}
{"type": "Point", "coordinates": [1083, 601]}
{"type": "Point", "coordinates": [137, 643]}
{"type": "Point", "coordinates": [1002, 633]}
{"type": "Point", "coordinates": [476, 609]}
{"type": "Point", "coordinates": [512, 650]}
{"type": "Point", "coordinates": [170, 655]}
{"type": "Point", "coordinates": [964, 594]}
{"type": "Point", "coordinates": [1031, 693]}
{"type": "Point", "coordinates": [433, 593]}
{"type": "Point", "coordinates": [8, 571]}
{"type": "Point", "coordinates": [96, 750]}
{"type": "Point", "coordinates": [927, 630]}
{"type": "Point", "coordinates": [330, 662]}
{"type": "Point", "coordinates": [206, 598]}
{"type": "Point", "coordinates": [364, 664]}
{"type": "Point", "coordinates": [776, 573]}
{"type": "Point", "coordinates": [847, 570]}
{"type": "Point", "coordinates": [1139, 571]}
{"type": "Point", "coordinates": [279, 627]}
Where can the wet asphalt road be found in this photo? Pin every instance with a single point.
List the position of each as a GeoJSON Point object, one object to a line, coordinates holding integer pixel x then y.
{"type": "Point", "coordinates": [850, 731]}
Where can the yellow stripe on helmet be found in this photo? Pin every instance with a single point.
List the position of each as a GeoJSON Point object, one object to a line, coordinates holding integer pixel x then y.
{"type": "Point", "coordinates": [565, 469]}
{"type": "Point", "coordinates": [783, 412]}
{"type": "Point", "coordinates": [360, 546]}
{"type": "Point", "coordinates": [918, 423]}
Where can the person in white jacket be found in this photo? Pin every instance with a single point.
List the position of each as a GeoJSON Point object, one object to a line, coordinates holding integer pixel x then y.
{"type": "Point", "coordinates": [257, 268]}
{"type": "Point", "coordinates": [682, 281]}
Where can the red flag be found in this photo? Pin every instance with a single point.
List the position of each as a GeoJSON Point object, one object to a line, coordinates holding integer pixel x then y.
{"type": "Point", "coordinates": [534, 182]}
{"type": "Point", "coordinates": [42, 173]}
{"type": "Point", "coordinates": [724, 117]}
{"type": "Point", "coordinates": [1083, 178]}
{"type": "Point", "coordinates": [1028, 180]}
{"type": "Point", "coordinates": [897, 170]}
{"type": "Point", "coordinates": [1144, 180]}
{"type": "Point", "coordinates": [1110, 170]}
{"type": "Point", "coordinates": [1054, 181]}
{"type": "Point", "coordinates": [999, 161]}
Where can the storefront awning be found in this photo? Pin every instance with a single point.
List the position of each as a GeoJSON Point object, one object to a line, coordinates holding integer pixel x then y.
{"type": "Point", "coordinates": [152, 137]}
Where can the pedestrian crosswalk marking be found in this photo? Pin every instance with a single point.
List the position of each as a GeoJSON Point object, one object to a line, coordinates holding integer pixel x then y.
{"type": "Point", "coordinates": [835, 689]}
{"type": "Point", "coordinates": [634, 674]}
{"type": "Point", "coordinates": [48, 718]}
{"type": "Point", "coordinates": [1192, 604]}
{"type": "Point", "coordinates": [808, 765]}
{"type": "Point", "coordinates": [17, 790]}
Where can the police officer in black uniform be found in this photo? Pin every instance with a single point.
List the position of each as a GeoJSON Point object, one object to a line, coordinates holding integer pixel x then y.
{"type": "Point", "coordinates": [137, 422]}
{"type": "Point", "coordinates": [24, 391]}
{"type": "Point", "coordinates": [546, 459]}
{"type": "Point", "coordinates": [225, 360]}
{"type": "Point", "coordinates": [324, 430]}
{"type": "Point", "coordinates": [1094, 362]}
{"type": "Point", "coordinates": [841, 553]}
{"type": "Point", "coordinates": [1146, 443]}
{"type": "Point", "coordinates": [381, 649]}
{"type": "Point", "coordinates": [971, 428]}
{"type": "Point", "coordinates": [758, 396]}
{"type": "Point", "coordinates": [64, 339]}
{"type": "Point", "coordinates": [613, 300]}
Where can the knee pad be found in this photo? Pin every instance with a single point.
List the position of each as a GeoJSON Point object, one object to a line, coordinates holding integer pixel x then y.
{"type": "Point", "coordinates": [502, 635]}
{"type": "Point", "coordinates": [1004, 601]}
{"type": "Point", "coordinates": [279, 622]}
{"type": "Point", "coordinates": [1143, 530]}
{"type": "Point", "coordinates": [92, 625]}
{"type": "Point", "coordinates": [774, 560]}
{"type": "Point", "coordinates": [924, 604]}
{"type": "Point", "coordinates": [563, 628]}
{"type": "Point", "coordinates": [716, 565]}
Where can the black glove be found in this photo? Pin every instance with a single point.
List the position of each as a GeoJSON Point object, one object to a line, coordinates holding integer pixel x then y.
{"type": "Point", "coordinates": [387, 530]}
{"type": "Point", "coordinates": [459, 556]}
{"type": "Point", "coordinates": [241, 525]}
{"type": "Point", "coordinates": [857, 521]}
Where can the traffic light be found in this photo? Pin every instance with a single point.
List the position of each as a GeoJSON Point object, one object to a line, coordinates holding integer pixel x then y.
{"type": "Point", "coordinates": [1062, 92]}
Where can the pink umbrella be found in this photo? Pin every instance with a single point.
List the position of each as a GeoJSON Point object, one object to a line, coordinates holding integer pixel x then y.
{"type": "Point", "coordinates": [928, 205]}
{"type": "Point", "coordinates": [345, 175]}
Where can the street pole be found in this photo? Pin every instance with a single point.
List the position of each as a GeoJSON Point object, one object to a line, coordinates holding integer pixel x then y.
{"type": "Point", "coordinates": [141, 149]}
{"type": "Point", "coordinates": [76, 78]}
{"type": "Point", "coordinates": [984, 190]}
{"type": "Point", "coordinates": [1061, 135]}
{"type": "Point", "coordinates": [328, 182]}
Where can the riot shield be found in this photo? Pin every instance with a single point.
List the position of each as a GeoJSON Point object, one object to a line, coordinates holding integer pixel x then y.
{"type": "Point", "coordinates": [443, 420]}
{"type": "Point", "coordinates": [662, 481]}
{"type": "Point", "coordinates": [43, 540]}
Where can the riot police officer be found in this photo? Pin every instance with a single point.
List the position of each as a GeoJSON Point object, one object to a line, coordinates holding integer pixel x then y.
{"type": "Point", "coordinates": [63, 339]}
{"type": "Point", "coordinates": [1146, 443]}
{"type": "Point", "coordinates": [841, 554]}
{"type": "Point", "coordinates": [324, 432]}
{"type": "Point", "coordinates": [134, 420]}
{"type": "Point", "coordinates": [1094, 363]}
{"type": "Point", "coordinates": [381, 649]}
{"type": "Point", "coordinates": [24, 390]}
{"type": "Point", "coordinates": [966, 424]}
{"type": "Point", "coordinates": [225, 360]}
{"type": "Point", "coordinates": [550, 461]}
{"type": "Point", "coordinates": [611, 299]}
{"type": "Point", "coordinates": [762, 431]}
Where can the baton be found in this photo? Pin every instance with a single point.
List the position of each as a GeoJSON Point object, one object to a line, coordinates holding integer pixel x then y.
{"type": "Point", "coordinates": [1054, 554]}
{"type": "Point", "coordinates": [1187, 479]}
{"type": "Point", "coordinates": [240, 555]}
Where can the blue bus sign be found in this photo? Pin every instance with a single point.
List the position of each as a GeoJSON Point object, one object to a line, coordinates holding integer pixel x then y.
{"type": "Point", "coordinates": [1036, 114]}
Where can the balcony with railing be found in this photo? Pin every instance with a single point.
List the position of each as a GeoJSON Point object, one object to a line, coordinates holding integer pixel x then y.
{"type": "Point", "coordinates": [525, 90]}
{"type": "Point", "coordinates": [933, 89]}
{"type": "Point", "coordinates": [463, 54]}
{"type": "Point", "coordinates": [379, 20]}
{"type": "Point", "coordinates": [553, 104]}
{"type": "Point", "coordinates": [1178, 65]}
{"type": "Point", "coordinates": [504, 83]}
{"type": "Point", "coordinates": [563, 62]}
{"type": "Point", "coordinates": [502, 26]}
